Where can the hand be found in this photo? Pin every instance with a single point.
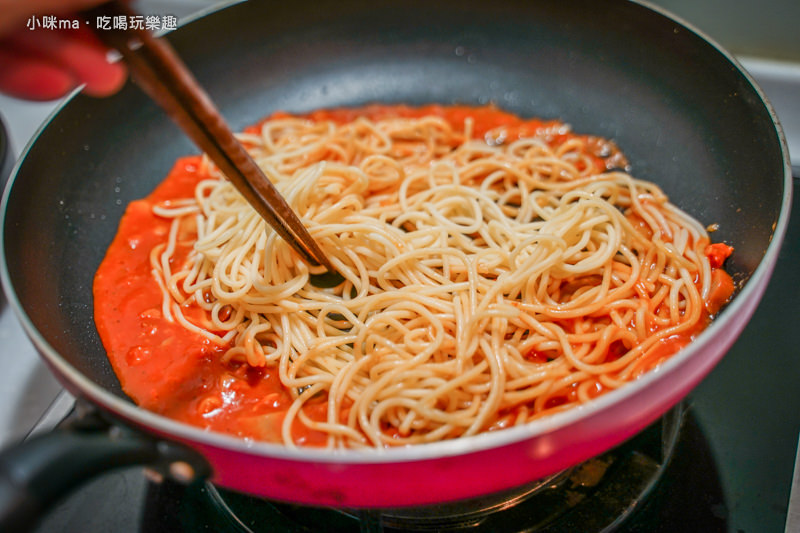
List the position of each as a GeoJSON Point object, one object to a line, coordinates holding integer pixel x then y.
{"type": "Point", "coordinates": [44, 64]}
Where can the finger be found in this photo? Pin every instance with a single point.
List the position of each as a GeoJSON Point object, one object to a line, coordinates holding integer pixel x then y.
{"type": "Point", "coordinates": [87, 58]}
{"type": "Point", "coordinates": [32, 78]}
{"type": "Point", "coordinates": [15, 12]}
{"type": "Point", "coordinates": [80, 53]}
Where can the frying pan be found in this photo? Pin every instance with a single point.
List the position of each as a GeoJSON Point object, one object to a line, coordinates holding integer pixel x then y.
{"type": "Point", "coordinates": [685, 113]}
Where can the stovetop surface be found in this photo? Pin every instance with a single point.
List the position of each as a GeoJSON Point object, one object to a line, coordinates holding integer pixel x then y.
{"type": "Point", "coordinates": [689, 496]}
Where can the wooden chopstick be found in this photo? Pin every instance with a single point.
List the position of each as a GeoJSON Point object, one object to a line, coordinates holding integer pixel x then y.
{"type": "Point", "coordinates": [159, 71]}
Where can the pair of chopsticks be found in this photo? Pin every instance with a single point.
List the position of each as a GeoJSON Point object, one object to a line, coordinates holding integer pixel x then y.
{"type": "Point", "coordinates": [159, 71]}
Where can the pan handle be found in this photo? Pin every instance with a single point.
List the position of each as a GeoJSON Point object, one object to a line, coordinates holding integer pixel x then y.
{"type": "Point", "coordinates": [36, 473]}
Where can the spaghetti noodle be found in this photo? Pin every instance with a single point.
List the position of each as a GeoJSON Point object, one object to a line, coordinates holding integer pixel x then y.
{"type": "Point", "coordinates": [491, 270]}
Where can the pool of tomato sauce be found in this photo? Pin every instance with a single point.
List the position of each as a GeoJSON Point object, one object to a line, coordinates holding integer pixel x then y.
{"type": "Point", "coordinates": [180, 374]}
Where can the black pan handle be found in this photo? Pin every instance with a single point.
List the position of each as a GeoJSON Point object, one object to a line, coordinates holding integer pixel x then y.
{"type": "Point", "coordinates": [36, 473]}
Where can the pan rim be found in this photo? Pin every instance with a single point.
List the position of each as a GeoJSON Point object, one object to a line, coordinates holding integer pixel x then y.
{"type": "Point", "coordinates": [161, 425]}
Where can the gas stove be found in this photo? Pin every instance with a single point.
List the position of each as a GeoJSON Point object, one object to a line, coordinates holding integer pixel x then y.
{"type": "Point", "coordinates": [664, 479]}
{"type": "Point", "coordinates": [721, 461]}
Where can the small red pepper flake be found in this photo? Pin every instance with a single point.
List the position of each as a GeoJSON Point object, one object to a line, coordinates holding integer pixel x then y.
{"type": "Point", "coordinates": [717, 253]}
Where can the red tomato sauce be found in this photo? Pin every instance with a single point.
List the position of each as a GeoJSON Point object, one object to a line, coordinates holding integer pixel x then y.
{"type": "Point", "coordinates": [178, 373]}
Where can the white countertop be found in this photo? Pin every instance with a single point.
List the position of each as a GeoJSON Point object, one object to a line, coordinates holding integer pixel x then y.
{"type": "Point", "coordinates": [27, 388]}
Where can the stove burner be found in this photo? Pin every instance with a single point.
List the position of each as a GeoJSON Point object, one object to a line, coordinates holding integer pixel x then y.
{"type": "Point", "coordinates": [597, 495]}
